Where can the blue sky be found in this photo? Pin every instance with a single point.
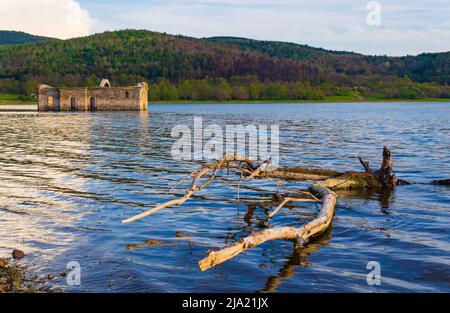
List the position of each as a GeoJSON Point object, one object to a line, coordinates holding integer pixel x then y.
{"type": "Point", "coordinates": [406, 26]}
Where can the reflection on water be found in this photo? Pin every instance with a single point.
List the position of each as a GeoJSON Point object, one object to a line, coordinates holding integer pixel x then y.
{"type": "Point", "coordinates": [299, 257]}
{"type": "Point", "coordinates": [67, 181]}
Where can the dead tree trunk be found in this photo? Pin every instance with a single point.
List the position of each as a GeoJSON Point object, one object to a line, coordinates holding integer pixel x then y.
{"type": "Point", "coordinates": [322, 191]}
{"type": "Point", "coordinates": [385, 173]}
{"type": "Point", "coordinates": [368, 180]}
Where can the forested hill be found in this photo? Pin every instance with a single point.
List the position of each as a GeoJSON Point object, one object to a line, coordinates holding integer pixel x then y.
{"type": "Point", "coordinates": [221, 68]}
{"type": "Point", "coordinates": [277, 49]}
{"type": "Point", "coordinates": [15, 38]}
{"type": "Point", "coordinates": [428, 67]}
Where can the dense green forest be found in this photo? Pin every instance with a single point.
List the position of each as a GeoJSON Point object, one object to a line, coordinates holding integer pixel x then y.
{"type": "Point", "coordinates": [219, 68]}
{"type": "Point", "coordinates": [8, 37]}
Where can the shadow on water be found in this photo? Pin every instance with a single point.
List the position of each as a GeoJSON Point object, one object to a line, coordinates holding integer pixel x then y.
{"type": "Point", "coordinates": [299, 257]}
{"type": "Point", "coordinates": [385, 197]}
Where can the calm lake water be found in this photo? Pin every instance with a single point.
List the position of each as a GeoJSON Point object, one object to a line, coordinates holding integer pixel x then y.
{"type": "Point", "coordinates": [68, 180]}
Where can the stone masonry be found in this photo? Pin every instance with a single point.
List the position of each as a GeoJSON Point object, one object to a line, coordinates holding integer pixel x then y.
{"type": "Point", "coordinates": [102, 98]}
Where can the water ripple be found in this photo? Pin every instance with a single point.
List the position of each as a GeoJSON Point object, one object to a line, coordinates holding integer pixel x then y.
{"type": "Point", "coordinates": [67, 181]}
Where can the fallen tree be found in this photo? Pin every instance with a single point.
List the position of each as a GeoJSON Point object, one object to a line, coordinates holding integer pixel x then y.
{"type": "Point", "coordinates": [322, 191]}
{"type": "Point", "coordinates": [382, 178]}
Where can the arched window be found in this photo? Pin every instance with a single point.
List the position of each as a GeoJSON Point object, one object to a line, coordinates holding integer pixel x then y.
{"type": "Point", "coordinates": [105, 83]}
{"type": "Point", "coordinates": [127, 94]}
{"type": "Point", "coordinates": [73, 104]}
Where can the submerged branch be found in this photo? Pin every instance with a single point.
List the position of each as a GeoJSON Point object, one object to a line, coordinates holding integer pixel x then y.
{"type": "Point", "coordinates": [198, 175]}
{"type": "Point", "coordinates": [301, 234]}
{"type": "Point", "coordinates": [288, 200]}
{"type": "Point", "coordinates": [322, 191]}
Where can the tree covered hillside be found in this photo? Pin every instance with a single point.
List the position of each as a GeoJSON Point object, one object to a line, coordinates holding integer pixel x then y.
{"type": "Point", "coordinates": [16, 38]}
{"type": "Point", "coordinates": [221, 68]}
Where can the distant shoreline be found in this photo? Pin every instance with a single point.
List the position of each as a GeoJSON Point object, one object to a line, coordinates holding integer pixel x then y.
{"type": "Point", "coordinates": [299, 101]}
{"type": "Point", "coordinates": [27, 106]}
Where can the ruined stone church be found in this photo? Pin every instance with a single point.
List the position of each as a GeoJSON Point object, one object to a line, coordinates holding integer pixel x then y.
{"type": "Point", "coordinates": [102, 98]}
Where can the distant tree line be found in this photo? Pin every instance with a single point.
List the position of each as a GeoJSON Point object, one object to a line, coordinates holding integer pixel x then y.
{"type": "Point", "coordinates": [183, 68]}
{"type": "Point", "coordinates": [250, 88]}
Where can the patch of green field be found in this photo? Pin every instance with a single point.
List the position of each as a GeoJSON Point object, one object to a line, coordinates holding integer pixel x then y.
{"type": "Point", "coordinates": [6, 98]}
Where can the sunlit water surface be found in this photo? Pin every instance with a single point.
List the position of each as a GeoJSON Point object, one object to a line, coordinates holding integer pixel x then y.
{"type": "Point", "coordinates": [68, 180]}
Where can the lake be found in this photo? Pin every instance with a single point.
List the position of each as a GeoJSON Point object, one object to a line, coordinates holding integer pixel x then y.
{"type": "Point", "coordinates": [68, 180]}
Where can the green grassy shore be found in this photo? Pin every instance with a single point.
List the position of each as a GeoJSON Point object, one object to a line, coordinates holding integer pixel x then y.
{"type": "Point", "coordinates": [326, 100]}
{"type": "Point", "coordinates": [11, 99]}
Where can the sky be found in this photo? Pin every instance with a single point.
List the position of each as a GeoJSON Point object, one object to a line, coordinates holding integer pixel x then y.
{"type": "Point", "coordinates": [384, 27]}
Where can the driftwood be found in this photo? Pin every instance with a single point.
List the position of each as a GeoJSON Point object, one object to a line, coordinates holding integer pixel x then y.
{"type": "Point", "coordinates": [352, 180]}
{"type": "Point", "coordinates": [301, 173]}
{"type": "Point", "coordinates": [333, 180]}
{"type": "Point", "coordinates": [322, 191]}
{"type": "Point", "coordinates": [301, 234]}
{"type": "Point", "coordinates": [368, 180]}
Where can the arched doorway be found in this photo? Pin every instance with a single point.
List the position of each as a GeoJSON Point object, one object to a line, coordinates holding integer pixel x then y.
{"type": "Point", "coordinates": [52, 104]}
{"type": "Point", "coordinates": [92, 104]}
{"type": "Point", "coordinates": [73, 104]}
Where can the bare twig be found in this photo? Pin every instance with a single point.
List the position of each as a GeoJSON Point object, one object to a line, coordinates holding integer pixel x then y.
{"type": "Point", "coordinates": [365, 164]}
{"type": "Point", "coordinates": [195, 187]}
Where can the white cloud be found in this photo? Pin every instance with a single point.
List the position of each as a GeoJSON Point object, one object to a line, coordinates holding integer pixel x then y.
{"type": "Point", "coordinates": [407, 26]}
{"type": "Point", "coordinates": [54, 18]}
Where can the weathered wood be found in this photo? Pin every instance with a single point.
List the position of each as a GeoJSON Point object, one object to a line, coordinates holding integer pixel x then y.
{"type": "Point", "coordinates": [313, 228]}
{"type": "Point", "coordinates": [353, 181]}
{"type": "Point", "coordinates": [300, 173]}
{"type": "Point", "coordinates": [368, 180]}
{"type": "Point", "coordinates": [335, 180]}
{"type": "Point", "coordinates": [365, 164]}
{"type": "Point", "coordinates": [385, 173]}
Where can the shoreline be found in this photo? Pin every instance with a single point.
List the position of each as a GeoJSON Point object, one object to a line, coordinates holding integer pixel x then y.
{"type": "Point", "coordinates": [17, 278]}
{"type": "Point", "coordinates": [437, 100]}
{"type": "Point", "coordinates": [27, 107]}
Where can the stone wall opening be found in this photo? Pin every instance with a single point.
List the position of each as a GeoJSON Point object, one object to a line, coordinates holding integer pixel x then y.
{"type": "Point", "coordinates": [73, 104]}
{"type": "Point", "coordinates": [92, 104]}
{"type": "Point", "coordinates": [51, 104]}
{"type": "Point", "coordinates": [105, 83]}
